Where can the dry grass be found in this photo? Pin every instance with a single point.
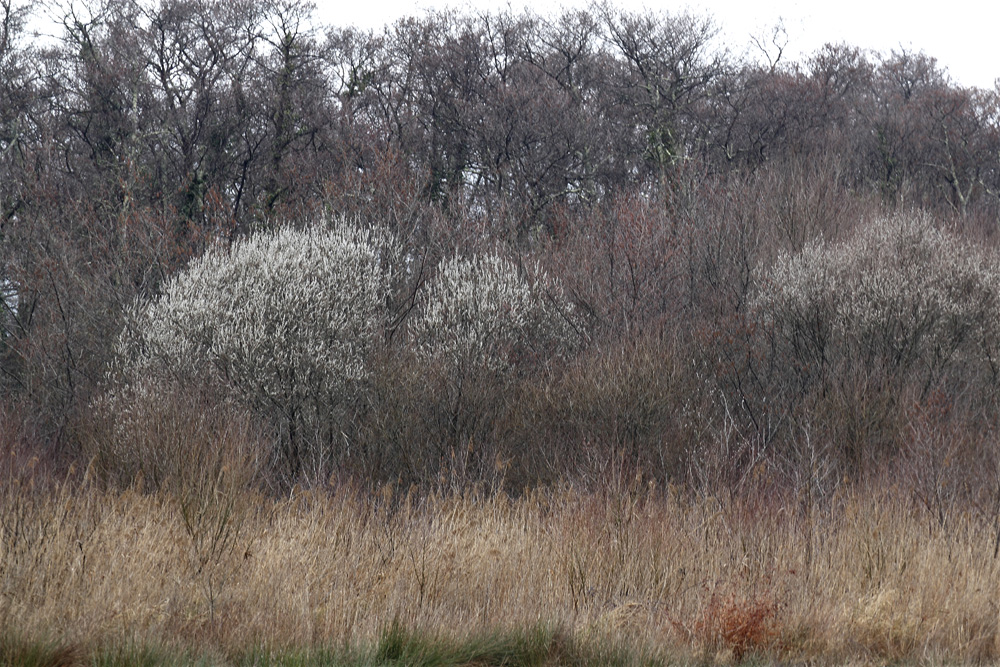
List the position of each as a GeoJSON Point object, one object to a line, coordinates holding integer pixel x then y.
{"type": "Point", "coordinates": [693, 578]}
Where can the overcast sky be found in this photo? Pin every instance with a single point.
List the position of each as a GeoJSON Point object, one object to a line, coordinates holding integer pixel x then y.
{"type": "Point", "coordinates": [962, 35]}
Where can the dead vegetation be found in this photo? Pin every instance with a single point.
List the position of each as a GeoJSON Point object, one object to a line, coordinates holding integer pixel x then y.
{"type": "Point", "coordinates": [685, 576]}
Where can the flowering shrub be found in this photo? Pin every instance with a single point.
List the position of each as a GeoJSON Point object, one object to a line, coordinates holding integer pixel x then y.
{"type": "Point", "coordinates": [484, 312]}
{"type": "Point", "coordinates": [482, 325]}
{"type": "Point", "coordinates": [901, 293]}
{"type": "Point", "coordinates": [282, 322]}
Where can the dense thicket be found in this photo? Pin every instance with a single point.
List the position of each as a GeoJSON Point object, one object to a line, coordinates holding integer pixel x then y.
{"type": "Point", "coordinates": [631, 157]}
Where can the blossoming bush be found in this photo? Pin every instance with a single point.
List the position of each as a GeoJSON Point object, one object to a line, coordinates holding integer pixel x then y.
{"type": "Point", "coordinates": [284, 323]}
{"type": "Point", "coordinates": [901, 295]}
{"type": "Point", "coordinates": [483, 325]}
{"type": "Point", "coordinates": [485, 312]}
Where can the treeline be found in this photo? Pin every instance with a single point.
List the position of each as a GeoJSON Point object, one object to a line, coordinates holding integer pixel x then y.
{"type": "Point", "coordinates": [227, 115]}
{"type": "Point", "coordinates": [653, 172]}
{"type": "Point", "coordinates": [232, 113]}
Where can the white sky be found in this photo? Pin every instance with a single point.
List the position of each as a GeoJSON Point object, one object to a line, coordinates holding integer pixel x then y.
{"type": "Point", "coordinates": [963, 35]}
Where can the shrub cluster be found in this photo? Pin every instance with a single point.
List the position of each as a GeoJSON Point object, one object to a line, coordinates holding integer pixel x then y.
{"type": "Point", "coordinates": [288, 324]}
{"type": "Point", "coordinates": [862, 335]}
{"type": "Point", "coordinates": [284, 323]}
{"type": "Point", "coordinates": [484, 311]}
{"type": "Point", "coordinates": [901, 294]}
{"type": "Point", "coordinates": [482, 368]}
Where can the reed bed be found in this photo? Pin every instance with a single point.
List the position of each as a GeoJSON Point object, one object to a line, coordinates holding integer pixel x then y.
{"type": "Point", "coordinates": [868, 577]}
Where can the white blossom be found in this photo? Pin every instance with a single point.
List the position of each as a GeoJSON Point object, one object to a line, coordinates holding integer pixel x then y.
{"type": "Point", "coordinates": [279, 319]}
{"type": "Point", "coordinates": [486, 312]}
{"type": "Point", "coordinates": [900, 291]}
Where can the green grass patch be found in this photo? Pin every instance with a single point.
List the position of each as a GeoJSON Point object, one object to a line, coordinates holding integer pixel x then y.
{"type": "Point", "coordinates": [539, 646]}
{"type": "Point", "coordinates": [397, 646]}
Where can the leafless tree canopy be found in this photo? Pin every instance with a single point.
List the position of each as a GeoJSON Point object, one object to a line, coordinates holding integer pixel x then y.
{"type": "Point", "coordinates": [656, 176]}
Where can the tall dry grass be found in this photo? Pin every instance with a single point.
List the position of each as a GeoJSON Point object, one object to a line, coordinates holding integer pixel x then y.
{"type": "Point", "coordinates": [868, 577]}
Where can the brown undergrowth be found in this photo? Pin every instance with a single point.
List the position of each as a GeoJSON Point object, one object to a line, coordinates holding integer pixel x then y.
{"type": "Point", "coordinates": [696, 577]}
